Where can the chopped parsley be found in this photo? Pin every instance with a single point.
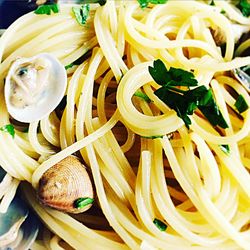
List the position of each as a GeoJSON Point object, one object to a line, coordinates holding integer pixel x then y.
{"type": "Point", "coordinates": [153, 137]}
{"type": "Point", "coordinates": [83, 202]}
{"type": "Point", "coordinates": [244, 6]}
{"type": "Point", "coordinates": [142, 95]}
{"type": "Point", "coordinates": [9, 128]}
{"type": "Point", "coordinates": [81, 13]}
{"type": "Point", "coordinates": [145, 3]}
{"type": "Point", "coordinates": [161, 225]}
{"type": "Point", "coordinates": [69, 66]}
{"type": "Point", "coordinates": [185, 102]}
{"type": "Point", "coordinates": [212, 3]}
{"type": "Point", "coordinates": [225, 148]}
{"type": "Point", "coordinates": [46, 9]}
{"type": "Point", "coordinates": [241, 104]}
{"type": "Point", "coordinates": [79, 61]}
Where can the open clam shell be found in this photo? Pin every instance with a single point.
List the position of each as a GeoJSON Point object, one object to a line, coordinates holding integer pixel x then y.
{"type": "Point", "coordinates": [29, 230]}
{"type": "Point", "coordinates": [26, 234]}
{"type": "Point", "coordinates": [11, 221]}
{"type": "Point", "coordinates": [34, 87]}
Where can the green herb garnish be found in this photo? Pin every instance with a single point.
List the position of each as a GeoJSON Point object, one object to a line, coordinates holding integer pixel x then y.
{"type": "Point", "coordinates": [241, 104]}
{"type": "Point", "coordinates": [69, 66]}
{"type": "Point", "coordinates": [80, 60]}
{"type": "Point", "coordinates": [225, 148]}
{"type": "Point", "coordinates": [153, 137]}
{"type": "Point", "coordinates": [81, 13]}
{"type": "Point", "coordinates": [212, 3]}
{"type": "Point", "coordinates": [244, 6]}
{"type": "Point", "coordinates": [142, 95]}
{"type": "Point", "coordinates": [82, 202]}
{"type": "Point", "coordinates": [171, 77]}
{"type": "Point", "coordinates": [9, 128]}
{"type": "Point", "coordinates": [145, 3]}
{"type": "Point", "coordinates": [47, 9]}
{"type": "Point", "coordinates": [185, 102]}
{"type": "Point", "coordinates": [161, 225]}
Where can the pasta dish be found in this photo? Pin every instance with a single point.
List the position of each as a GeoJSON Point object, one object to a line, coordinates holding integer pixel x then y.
{"type": "Point", "coordinates": [125, 124]}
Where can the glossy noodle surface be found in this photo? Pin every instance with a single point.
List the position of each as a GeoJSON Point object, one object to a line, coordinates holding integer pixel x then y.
{"type": "Point", "coordinates": [158, 184]}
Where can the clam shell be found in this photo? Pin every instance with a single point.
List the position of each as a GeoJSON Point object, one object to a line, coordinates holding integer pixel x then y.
{"type": "Point", "coordinates": [26, 234]}
{"type": "Point", "coordinates": [243, 78]}
{"type": "Point", "coordinates": [64, 183]}
{"type": "Point", "coordinates": [11, 221]}
{"type": "Point", "coordinates": [49, 98]}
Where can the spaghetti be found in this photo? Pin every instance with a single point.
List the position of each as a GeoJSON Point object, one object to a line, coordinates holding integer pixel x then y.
{"type": "Point", "coordinates": [183, 178]}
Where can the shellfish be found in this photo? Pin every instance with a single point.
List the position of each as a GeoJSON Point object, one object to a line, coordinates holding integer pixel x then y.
{"type": "Point", "coordinates": [34, 87]}
{"type": "Point", "coordinates": [66, 186]}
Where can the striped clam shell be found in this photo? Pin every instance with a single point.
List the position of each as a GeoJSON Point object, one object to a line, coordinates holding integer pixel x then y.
{"type": "Point", "coordinates": [64, 183]}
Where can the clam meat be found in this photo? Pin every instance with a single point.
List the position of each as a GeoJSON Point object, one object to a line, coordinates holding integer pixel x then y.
{"type": "Point", "coordinates": [34, 87]}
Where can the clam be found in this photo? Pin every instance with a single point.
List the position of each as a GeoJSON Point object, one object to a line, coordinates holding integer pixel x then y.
{"type": "Point", "coordinates": [11, 221]}
{"type": "Point", "coordinates": [26, 234]}
{"type": "Point", "coordinates": [18, 226]}
{"type": "Point", "coordinates": [34, 87]}
{"type": "Point", "coordinates": [243, 78]}
{"type": "Point", "coordinates": [66, 186]}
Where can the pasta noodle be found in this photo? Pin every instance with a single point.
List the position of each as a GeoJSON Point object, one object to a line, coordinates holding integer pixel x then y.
{"type": "Point", "coordinates": [146, 165]}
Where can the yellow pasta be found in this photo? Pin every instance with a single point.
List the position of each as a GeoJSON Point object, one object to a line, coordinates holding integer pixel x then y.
{"type": "Point", "coordinates": [146, 165]}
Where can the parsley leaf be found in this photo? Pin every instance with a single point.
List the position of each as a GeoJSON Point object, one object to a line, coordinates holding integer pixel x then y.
{"type": "Point", "coordinates": [241, 104]}
{"type": "Point", "coordinates": [79, 61]}
{"type": "Point", "coordinates": [225, 148]}
{"type": "Point", "coordinates": [81, 13]}
{"type": "Point", "coordinates": [175, 101]}
{"type": "Point", "coordinates": [9, 128]}
{"type": "Point", "coordinates": [82, 202]}
{"type": "Point", "coordinates": [153, 137]}
{"type": "Point", "coordinates": [244, 6]}
{"type": "Point", "coordinates": [47, 8]}
{"type": "Point", "coordinates": [142, 95]}
{"type": "Point", "coordinates": [212, 3]}
{"type": "Point", "coordinates": [185, 102]}
{"type": "Point", "coordinates": [69, 66]}
{"type": "Point", "coordinates": [173, 76]}
{"type": "Point", "coordinates": [145, 3]}
{"type": "Point", "coordinates": [161, 225]}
